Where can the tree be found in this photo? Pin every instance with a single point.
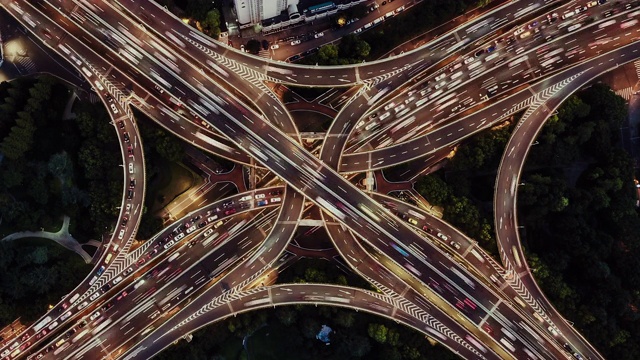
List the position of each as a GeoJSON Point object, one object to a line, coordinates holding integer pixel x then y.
{"type": "Point", "coordinates": [211, 23]}
{"type": "Point", "coordinates": [328, 54]}
{"type": "Point", "coordinates": [378, 332]}
{"type": "Point", "coordinates": [253, 46]}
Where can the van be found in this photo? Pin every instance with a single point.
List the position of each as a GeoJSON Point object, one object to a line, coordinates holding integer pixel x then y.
{"type": "Point", "coordinates": [173, 257]}
{"type": "Point", "coordinates": [106, 261]}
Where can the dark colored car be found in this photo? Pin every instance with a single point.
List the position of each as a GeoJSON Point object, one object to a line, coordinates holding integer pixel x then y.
{"type": "Point", "coordinates": [265, 45]}
{"type": "Point", "coordinates": [121, 124]}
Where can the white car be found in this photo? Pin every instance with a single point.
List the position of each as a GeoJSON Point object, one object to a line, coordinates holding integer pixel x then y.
{"type": "Point", "coordinates": [95, 316]}
{"type": "Point", "coordinates": [276, 199]}
{"type": "Point", "coordinates": [191, 229]}
{"type": "Point", "coordinates": [443, 236]}
{"type": "Point", "coordinates": [455, 245]}
{"type": "Point", "coordinates": [114, 108]}
{"type": "Point", "coordinates": [130, 168]}
{"type": "Point", "coordinates": [245, 198]}
{"type": "Point", "coordinates": [275, 46]}
{"type": "Point", "coordinates": [319, 35]}
{"type": "Point", "coordinates": [389, 106]}
{"type": "Point", "coordinates": [121, 234]}
{"type": "Point", "coordinates": [94, 296]}
{"type": "Point", "coordinates": [117, 280]}
{"type": "Point", "coordinates": [296, 42]}
{"type": "Point", "coordinates": [260, 196]}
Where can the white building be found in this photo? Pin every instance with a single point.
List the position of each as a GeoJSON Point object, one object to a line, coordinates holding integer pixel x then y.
{"type": "Point", "coordinates": [254, 11]}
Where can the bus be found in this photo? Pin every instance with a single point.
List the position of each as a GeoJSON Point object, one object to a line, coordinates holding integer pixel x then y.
{"type": "Point", "coordinates": [416, 214]}
{"type": "Point", "coordinates": [42, 324]}
{"type": "Point", "coordinates": [463, 277]}
{"type": "Point", "coordinates": [507, 344]}
{"type": "Point", "coordinates": [74, 298]}
{"type": "Point", "coordinates": [516, 257]}
{"type": "Point", "coordinates": [476, 343]}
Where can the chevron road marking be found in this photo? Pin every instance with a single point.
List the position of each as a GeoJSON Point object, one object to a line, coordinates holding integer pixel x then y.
{"type": "Point", "coordinates": [254, 77]}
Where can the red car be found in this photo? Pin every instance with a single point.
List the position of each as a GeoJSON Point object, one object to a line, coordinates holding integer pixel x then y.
{"type": "Point", "coordinates": [230, 211]}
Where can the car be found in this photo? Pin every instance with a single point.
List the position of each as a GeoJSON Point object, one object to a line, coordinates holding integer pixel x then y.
{"type": "Point", "coordinates": [130, 168]}
{"type": "Point", "coordinates": [191, 229]}
{"type": "Point", "coordinates": [318, 35]}
{"type": "Point", "coordinates": [132, 184]}
{"type": "Point", "coordinates": [295, 42]}
{"type": "Point", "coordinates": [121, 234]}
{"type": "Point", "coordinates": [227, 203]}
{"type": "Point", "coordinates": [602, 2]}
{"type": "Point", "coordinates": [126, 137]}
{"type": "Point", "coordinates": [113, 108]}
{"type": "Point", "coordinates": [487, 328]}
{"type": "Point", "coordinates": [294, 58]}
{"type": "Point", "coordinates": [65, 316]}
{"type": "Point", "coordinates": [260, 196]}
{"type": "Point", "coordinates": [129, 194]}
{"type": "Point", "coordinates": [469, 60]}
{"type": "Point", "coordinates": [265, 45]}
{"type": "Point", "coordinates": [443, 236]}
{"type": "Point", "coordinates": [169, 244]}
{"type": "Point", "coordinates": [122, 296]}
{"type": "Point", "coordinates": [552, 330]}
{"type": "Point", "coordinates": [276, 199]}
{"type": "Point", "coordinates": [128, 271]}
{"type": "Point", "coordinates": [94, 316]}
{"type": "Point", "coordinates": [275, 47]}
{"type": "Point", "coordinates": [413, 221]}
{"type": "Point", "coordinates": [141, 261]}
{"type": "Point", "coordinates": [117, 280]}
{"type": "Point", "coordinates": [242, 48]}
{"type": "Point", "coordinates": [275, 192]}
{"type": "Point", "coordinates": [130, 150]}
{"type": "Point", "coordinates": [202, 224]}
{"type": "Point", "coordinates": [518, 32]}
{"type": "Point", "coordinates": [456, 245]}
{"type": "Point", "coordinates": [491, 48]}
{"type": "Point", "coordinates": [567, 347]}
{"type": "Point", "coordinates": [107, 306]}
{"type": "Point", "coordinates": [262, 203]}
{"type": "Point", "coordinates": [121, 124]}
{"type": "Point", "coordinates": [425, 228]}
{"type": "Point", "coordinates": [592, 3]}
{"type": "Point", "coordinates": [94, 296]}
{"type": "Point", "coordinates": [532, 25]}
{"type": "Point", "coordinates": [479, 52]}
{"type": "Point", "coordinates": [100, 271]}
{"type": "Point", "coordinates": [106, 287]}
{"type": "Point", "coordinates": [230, 211]}
{"type": "Point", "coordinates": [525, 34]}
{"type": "Point", "coordinates": [125, 219]}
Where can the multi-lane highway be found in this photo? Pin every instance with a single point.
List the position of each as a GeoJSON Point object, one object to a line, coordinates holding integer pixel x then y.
{"type": "Point", "coordinates": [517, 56]}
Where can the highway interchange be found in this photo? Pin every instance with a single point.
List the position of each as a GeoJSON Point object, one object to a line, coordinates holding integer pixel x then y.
{"type": "Point", "coordinates": [217, 260]}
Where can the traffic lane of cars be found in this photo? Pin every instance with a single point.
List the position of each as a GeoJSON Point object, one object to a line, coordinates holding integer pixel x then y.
{"type": "Point", "coordinates": [179, 270]}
